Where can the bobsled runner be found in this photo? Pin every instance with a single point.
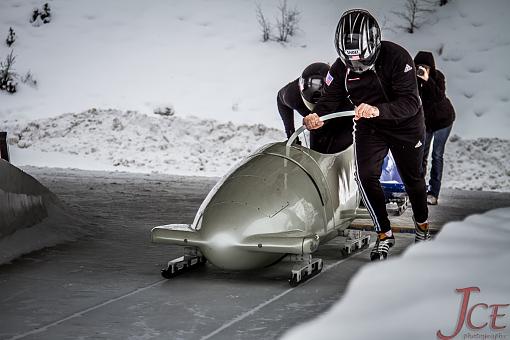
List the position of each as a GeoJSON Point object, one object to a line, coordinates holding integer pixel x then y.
{"type": "Point", "coordinates": [283, 200]}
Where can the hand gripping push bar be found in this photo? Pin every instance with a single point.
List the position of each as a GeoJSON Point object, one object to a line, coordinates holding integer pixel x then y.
{"type": "Point", "coordinates": [324, 118]}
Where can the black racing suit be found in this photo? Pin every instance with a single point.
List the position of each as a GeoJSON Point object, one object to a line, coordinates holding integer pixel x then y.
{"type": "Point", "coordinates": [392, 88]}
{"type": "Point", "coordinates": [334, 136]}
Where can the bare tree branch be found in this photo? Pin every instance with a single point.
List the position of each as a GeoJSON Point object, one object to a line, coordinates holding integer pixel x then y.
{"type": "Point", "coordinates": [265, 26]}
{"type": "Point", "coordinates": [414, 14]}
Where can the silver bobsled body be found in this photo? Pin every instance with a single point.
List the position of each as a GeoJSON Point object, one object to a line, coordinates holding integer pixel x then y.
{"type": "Point", "coordinates": [280, 200]}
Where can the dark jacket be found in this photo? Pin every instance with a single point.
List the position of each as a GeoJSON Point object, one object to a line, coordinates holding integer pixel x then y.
{"type": "Point", "coordinates": [391, 87]}
{"type": "Point", "coordinates": [439, 111]}
{"type": "Point", "coordinates": [288, 100]}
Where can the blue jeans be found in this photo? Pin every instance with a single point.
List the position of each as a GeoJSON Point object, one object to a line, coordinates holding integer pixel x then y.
{"type": "Point", "coordinates": [436, 172]}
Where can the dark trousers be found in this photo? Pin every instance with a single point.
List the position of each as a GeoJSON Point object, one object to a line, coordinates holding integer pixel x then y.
{"type": "Point", "coordinates": [333, 137]}
{"type": "Point", "coordinates": [4, 152]}
{"type": "Point", "coordinates": [370, 149]}
{"type": "Point", "coordinates": [440, 138]}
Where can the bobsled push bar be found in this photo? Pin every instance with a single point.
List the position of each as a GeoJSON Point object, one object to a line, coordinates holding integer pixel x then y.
{"type": "Point", "coordinates": [323, 118]}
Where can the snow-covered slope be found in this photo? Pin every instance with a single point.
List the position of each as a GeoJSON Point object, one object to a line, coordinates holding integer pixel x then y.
{"type": "Point", "coordinates": [470, 42]}
{"type": "Point", "coordinates": [206, 58]}
{"type": "Point", "coordinates": [424, 280]}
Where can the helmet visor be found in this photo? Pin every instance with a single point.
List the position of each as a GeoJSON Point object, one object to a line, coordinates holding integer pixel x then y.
{"type": "Point", "coordinates": [312, 84]}
{"type": "Point", "coordinates": [356, 53]}
{"type": "Point", "coordinates": [352, 44]}
{"type": "Point", "coordinates": [312, 88]}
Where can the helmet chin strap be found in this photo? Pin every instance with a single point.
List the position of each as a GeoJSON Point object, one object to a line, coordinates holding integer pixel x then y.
{"type": "Point", "coordinates": [309, 105]}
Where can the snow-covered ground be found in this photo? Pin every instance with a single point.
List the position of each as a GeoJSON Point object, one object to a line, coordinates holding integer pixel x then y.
{"type": "Point", "coordinates": [206, 58]}
{"type": "Point", "coordinates": [131, 141]}
{"type": "Point", "coordinates": [380, 304]}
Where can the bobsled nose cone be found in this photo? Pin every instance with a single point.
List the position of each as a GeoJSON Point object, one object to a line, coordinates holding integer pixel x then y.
{"type": "Point", "coordinates": [224, 228]}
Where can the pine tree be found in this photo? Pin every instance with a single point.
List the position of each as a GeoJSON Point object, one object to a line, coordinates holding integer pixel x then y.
{"type": "Point", "coordinates": [7, 74]}
{"type": "Point", "coordinates": [46, 13]}
{"type": "Point", "coordinates": [35, 15]}
{"type": "Point", "coordinates": [10, 38]}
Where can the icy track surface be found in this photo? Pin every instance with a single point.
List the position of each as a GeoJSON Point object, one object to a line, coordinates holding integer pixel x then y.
{"type": "Point", "coordinates": [130, 141]}
{"type": "Point", "coordinates": [425, 279]}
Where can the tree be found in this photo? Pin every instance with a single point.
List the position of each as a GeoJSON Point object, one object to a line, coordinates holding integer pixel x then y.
{"type": "Point", "coordinates": [414, 13]}
{"type": "Point", "coordinates": [265, 26]}
{"type": "Point", "coordinates": [10, 38]}
{"type": "Point", "coordinates": [41, 16]}
{"type": "Point", "coordinates": [46, 13]}
{"type": "Point", "coordinates": [7, 74]}
{"type": "Point", "coordinates": [287, 24]}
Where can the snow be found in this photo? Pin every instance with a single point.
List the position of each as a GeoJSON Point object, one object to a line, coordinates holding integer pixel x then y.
{"type": "Point", "coordinates": [424, 280]}
{"type": "Point", "coordinates": [46, 234]}
{"type": "Point", "coordinates": [112, 139]}
{"type": "Point", "coordinates": [58, 227]}
{"type": "Point", "coordinates": [207, 59]}
{"type": "Point", "coordinates": [477, 164]}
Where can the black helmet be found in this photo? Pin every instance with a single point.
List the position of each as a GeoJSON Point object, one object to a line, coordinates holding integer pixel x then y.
{"type": "Point", "coordinates": [311, 83]}
{"type": "Point", "coordinates": [358, 40]}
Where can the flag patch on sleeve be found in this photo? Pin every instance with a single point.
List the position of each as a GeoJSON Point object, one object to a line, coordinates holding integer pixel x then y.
{"type": "Point", "coordinates": [329, 79]}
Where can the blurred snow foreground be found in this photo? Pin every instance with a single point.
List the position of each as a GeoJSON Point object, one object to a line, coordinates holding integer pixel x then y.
{"type": "Point", "coordinates": [415, 296]}
{"type": "Point", "coordinates": [131, 141]}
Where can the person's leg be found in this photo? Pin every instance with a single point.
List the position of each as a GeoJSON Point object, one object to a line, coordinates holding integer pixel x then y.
{"type": "Point", "coordinates": [319, 140]}
{"type": "Point", "coordinates": [409, 162]}
{"type": "Point", "coordinates": [436, 173]}
{"type": "Point", "coordinates": [339, 138]}
{"type": "Point", "coordinates": [370, 151]}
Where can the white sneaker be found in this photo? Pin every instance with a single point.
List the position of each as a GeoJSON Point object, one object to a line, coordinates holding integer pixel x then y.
{"type": "Point", "coordinates": [431, 200]}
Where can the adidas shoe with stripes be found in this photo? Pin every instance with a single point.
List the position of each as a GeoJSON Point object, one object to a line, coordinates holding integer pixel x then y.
{"type": "Point", "coordinates": [382, 246]}
{"type": "Point", "coordinates": [421, 231]}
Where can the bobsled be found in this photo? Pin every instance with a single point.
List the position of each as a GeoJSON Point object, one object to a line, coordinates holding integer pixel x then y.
{"type": "Point", "coordinates": [283, 200]}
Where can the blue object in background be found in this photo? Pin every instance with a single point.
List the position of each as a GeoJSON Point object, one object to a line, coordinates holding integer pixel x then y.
{"type": "Point", "coordinates": [390, 178]}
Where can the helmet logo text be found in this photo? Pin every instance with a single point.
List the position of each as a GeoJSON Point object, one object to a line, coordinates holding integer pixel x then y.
{"type": "Point", "coordinates": [353, 52]}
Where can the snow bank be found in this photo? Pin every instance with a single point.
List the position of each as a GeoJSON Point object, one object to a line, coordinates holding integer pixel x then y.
{"type": "Point", "coordinates": [477, 164]}
{"type": "Point", "coordinates": [130, 141]}
{"type": "Point", "coordinates": [414, 296]}
{"type": "Point", "coordinates": [469, 45]}
{"type": "Point", "coordinates": [31, 216]}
